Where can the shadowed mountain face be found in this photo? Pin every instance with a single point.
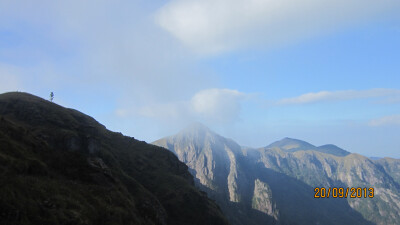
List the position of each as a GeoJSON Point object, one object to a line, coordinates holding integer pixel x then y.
{"type": "Point", "coordinates": [278, 181]}
{"type": "Point", "coordinates": [59, 166]}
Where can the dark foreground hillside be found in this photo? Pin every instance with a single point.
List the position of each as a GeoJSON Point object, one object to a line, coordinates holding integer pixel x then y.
{"type": "Point", "coordinates": [59, 166]}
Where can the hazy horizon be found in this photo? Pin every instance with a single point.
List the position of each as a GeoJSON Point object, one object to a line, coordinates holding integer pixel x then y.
{"type": "Point", "coordinates": [253, 71]}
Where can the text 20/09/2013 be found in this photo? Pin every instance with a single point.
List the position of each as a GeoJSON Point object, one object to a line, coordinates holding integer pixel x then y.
{"type": "Point", "coordinates": [340, 192]}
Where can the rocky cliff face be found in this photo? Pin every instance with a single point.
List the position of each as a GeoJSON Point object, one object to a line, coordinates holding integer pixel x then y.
{"type": "Point", "coordinates": [216, 163]}
{"type": "Point", "coordinates": [211, 158]}
{"type": "Point", "coordinates": [59, 166]}
{"type": "Point", "coordinates": [262, 199]}
{"type": "Point", "coordinates": [278, 181]}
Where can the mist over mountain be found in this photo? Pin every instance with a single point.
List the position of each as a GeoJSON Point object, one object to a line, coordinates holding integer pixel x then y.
{"type": "Point", "coordinates": [275, 184]}
{"type": "Point", "coordinates": [60, 166]}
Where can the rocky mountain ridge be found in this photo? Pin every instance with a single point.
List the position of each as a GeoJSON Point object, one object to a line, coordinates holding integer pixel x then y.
{"type": "Point", "coordinates": [279, 180]}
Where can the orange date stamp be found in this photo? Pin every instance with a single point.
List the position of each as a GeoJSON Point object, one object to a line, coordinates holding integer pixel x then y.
{"type": "Point", "coordinates": [340, 192]}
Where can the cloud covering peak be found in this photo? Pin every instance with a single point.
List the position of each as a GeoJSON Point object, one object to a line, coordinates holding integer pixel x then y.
{"type": "Point", "coordinates": [217, 104]}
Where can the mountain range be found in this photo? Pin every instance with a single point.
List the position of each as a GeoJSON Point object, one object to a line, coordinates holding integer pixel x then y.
{"type": "Point", "coordinates": [60, 166]}
{"type": "Point", "coordinates": [275, 184]}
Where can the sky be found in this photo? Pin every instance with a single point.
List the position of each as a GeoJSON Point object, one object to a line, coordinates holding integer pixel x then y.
{"type": "Point", "coordinates": [256, 71]}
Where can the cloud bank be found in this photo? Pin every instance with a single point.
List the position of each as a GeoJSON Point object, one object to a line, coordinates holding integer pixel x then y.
{"type": "Point", "coordinates": [214, 26]}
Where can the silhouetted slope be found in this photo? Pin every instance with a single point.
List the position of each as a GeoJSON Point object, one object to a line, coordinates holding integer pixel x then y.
{"type": "Point", "coordinates": [59, 166]}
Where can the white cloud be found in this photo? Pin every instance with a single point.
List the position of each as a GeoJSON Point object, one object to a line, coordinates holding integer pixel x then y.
{"type": "Point", "coordinates": [384, 121]}
{"type": "Point", "coordinates": [212, 26]}
{"type": "Point", "coordinates": [217, 106]}
{"type": "Point", "coordinates": [341, 95]}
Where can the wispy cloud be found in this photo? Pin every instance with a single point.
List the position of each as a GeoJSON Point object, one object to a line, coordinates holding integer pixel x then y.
{"type": "Point", "coordinates": [324, 96]}
{"type": "Point", "coordinates": [386, 120]}
{"type": "Point", "coordinates": [213, 26]}
{"type": "Point", "coordinates": [218, 106]}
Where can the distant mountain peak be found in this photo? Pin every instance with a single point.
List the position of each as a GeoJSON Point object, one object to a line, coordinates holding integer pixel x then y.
{"type": "Point", "coordinates": [292, 145]}
{"type": "Point", "coordinates": [294, 140]}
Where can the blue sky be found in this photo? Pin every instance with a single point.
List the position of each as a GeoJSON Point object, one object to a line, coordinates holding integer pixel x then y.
{"type": "Point", "coordinates": [254, 71]}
